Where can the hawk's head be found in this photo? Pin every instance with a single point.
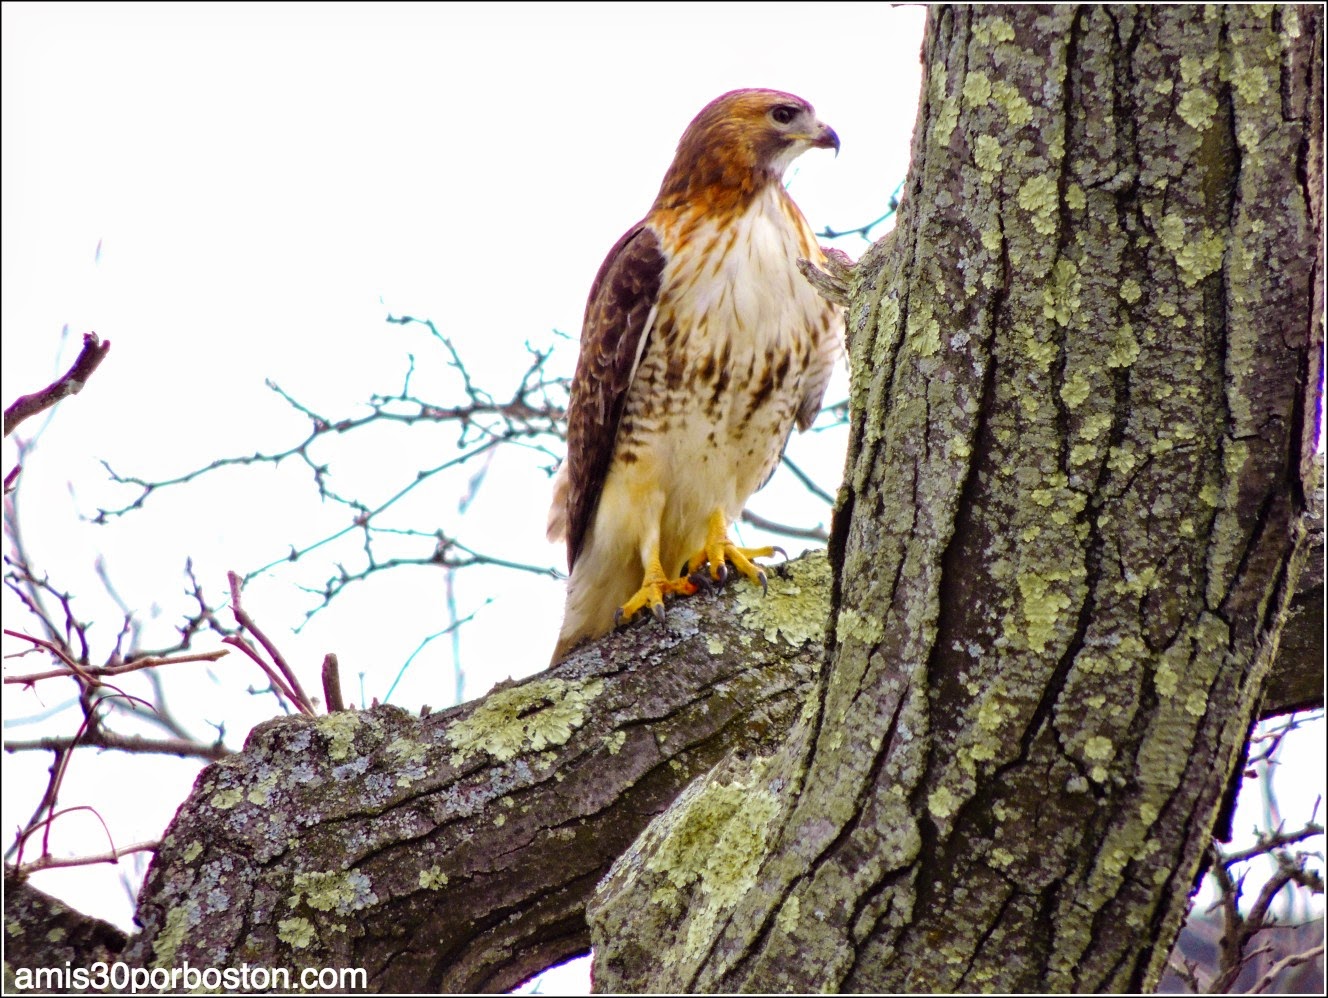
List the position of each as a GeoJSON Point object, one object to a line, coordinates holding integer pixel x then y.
{"type": "Point", "coordinates": [742, 141]}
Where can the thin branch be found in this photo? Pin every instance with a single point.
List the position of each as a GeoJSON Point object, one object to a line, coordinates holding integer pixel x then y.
{"type": "Point", "coordinates": [1274, 840]}
{"type": "Point", "coordinates": [284, 692]}
{"type": "Point", "coordinates": [1271, 975]}
{"type": "Point", "coordinates": [70, 383]}
{"type": "Point", "coordinates": [807, 482]}
{"type": "Point", "coordinates": [114, 856]}
{"type": "Point", "coordinates": [72, 668]}
{"type": "Point", "coordinates": [816, 533]}
{"type": "Point", "coordinates": [292, 684]}
{"type": "Point", "coordinates": [865, 230]}
{"type": "Point", "coordinates": [102, 739]}
{"type": "Point", "coordinates": [93, 674]}
{"type": "Point", "coordinates": [535, 409]}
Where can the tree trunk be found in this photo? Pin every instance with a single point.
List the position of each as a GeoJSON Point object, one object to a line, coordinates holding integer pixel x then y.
{"type": "Point", "coordinates": [1085, 379]}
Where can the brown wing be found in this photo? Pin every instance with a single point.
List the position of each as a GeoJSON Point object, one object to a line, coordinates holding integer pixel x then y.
{"type": "Point", "coordinates": [618, 316]}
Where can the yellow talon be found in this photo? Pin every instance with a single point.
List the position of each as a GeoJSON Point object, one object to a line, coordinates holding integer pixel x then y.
{"type": "Point", "coordinates": [719, 549]}
{"type": "Point", "coordinates": [653, 589]}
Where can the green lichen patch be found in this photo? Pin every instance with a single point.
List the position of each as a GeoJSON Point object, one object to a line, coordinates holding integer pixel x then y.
{"type": "Point", "coordinates": [715, 841]}
{"type": "Point", "coordinates": [1018, 111]}
{"type": "Point", "coordinates": [339, 729]}
{"type": "Point", "coordinates": [342, 891]}
{"type": "Point", "coordinates": [1197, 257]}
{"type": "Point", "coordinates": [179, 920]}
{"type": "Point", "coordinates": [924, 330]}
{"type": "Point", "coordinates": [261, 792]}
{"type": "Point", "coordinates": [1038, 196]}
{"type": "Point", "coordinates": [1124, 347]}
{"type": "Point", "coordinates": [993, 29]}
{"type": "Point", "coordinates": [224, 800]}
{"type": "Point", "coordinates": [793, 609]}
{"type": "Point", "coordinates": [941, 803]}
{"type": "Point", "coordinates": [1061, 295]}
{"type": "Point", "coordinates": [787, 919]}
{"type": "Point", "coordinates": [408, 750]}
{"type": "Point", "coordinates": [1043, 605]}
{"type": "Point", "coordinates": [1075, 390]}
{"type": "Point", "coordinates": [525, 718]}
{"type": "Point", "coordinates": [1197, 108]}
{"type": "Point", "coordinates": [977, 90]}
{"type": "Point", "coordinates": [297, 933]}
{"type": "Point", "coordinates": [433, 878]}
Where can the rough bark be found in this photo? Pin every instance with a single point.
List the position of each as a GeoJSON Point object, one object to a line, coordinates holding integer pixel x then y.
{"type": "Point", "coordinates": [1085, 373]}
{"type": "Point", "coordinates": [456, 852]}
{"type": "Point", "coordinates": [41, 931]}
{"type": "Point", "coordinates": [1085, 392]}
{"type": "Point", "coordinates": [740, 696]}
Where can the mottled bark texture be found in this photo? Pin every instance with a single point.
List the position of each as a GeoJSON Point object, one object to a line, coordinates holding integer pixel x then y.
{"type": "Point", "coordinates": [456, 852]}
{"type": "Point", "coordinates": [1086, 374]}
{"type": "Point", "coordinates": [1085, 392]}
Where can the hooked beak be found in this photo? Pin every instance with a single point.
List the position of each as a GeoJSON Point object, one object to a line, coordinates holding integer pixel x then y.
{"type": "Point", "coordinates": [825, 138]}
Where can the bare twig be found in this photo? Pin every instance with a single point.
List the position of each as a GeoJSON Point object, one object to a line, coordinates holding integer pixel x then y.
{"type": "Point", "coordinates": [114, 856]}
{"type": "Point", "coordinates": [537, 408]}
{"type": "Point", "coordinates": [46, 824]}
{"type": "Point", "coordinates": [834, 282]}
{"type": "Point", "coordinates": [1271, 841]}
{"type": "Point", "coordinates": [817, 533]}
{"type": "Point", "coordinates": [102, 739]}
{"type": "Point", "coordinates": [808, 483]}
{"type": "Point", "coordinates": [92, 675]}
{"type": "Point", "coordinates": [865, 230]}
{"type": "Point", "coordinates": [284, 693]}
{"type": "Point", "coordinates": [245, 620]}
{"type": "Point", "coordinates": [1271, 975]}
{"type": "Point", "coordinates": [332, 684]}
{"type": "Point", "coordinates": [73, 668]}
{"type": "Point", "coordinates": [70, 383]}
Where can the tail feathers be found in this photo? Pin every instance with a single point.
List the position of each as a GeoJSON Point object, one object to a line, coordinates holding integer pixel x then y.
{"type": "Point", "coordinates": [556, 530]}
{"type": "Point", "coordinates": [598, 586]}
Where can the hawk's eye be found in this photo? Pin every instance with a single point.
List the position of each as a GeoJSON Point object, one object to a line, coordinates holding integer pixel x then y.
{"type": "Point", "coordinates": [784, 114]}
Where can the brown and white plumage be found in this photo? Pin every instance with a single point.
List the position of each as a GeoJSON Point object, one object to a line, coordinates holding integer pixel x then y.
{"type": "Point", "coordinates": [702, 346]}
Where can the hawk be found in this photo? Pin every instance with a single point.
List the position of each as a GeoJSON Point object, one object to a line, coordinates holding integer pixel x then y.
{"type": "Point", "coordinates": [702, 345]}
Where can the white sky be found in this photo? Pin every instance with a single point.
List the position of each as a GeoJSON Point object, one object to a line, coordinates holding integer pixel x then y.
{"type": "Point", "coordinates": [265, 183]}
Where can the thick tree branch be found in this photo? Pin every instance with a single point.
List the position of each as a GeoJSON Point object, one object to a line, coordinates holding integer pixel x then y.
{"type": "Point", "coordinates": [1296, 679]}
{"type": "Point", "coordinates": [505, 811]}
{"type": "Point", "coordinates": [462, 846]}
{"type": "Point", "coordinates": [43, 932]}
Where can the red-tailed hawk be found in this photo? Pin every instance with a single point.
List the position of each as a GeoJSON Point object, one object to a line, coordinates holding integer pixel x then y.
{"type": "Point", "coordinates": [702, 346]}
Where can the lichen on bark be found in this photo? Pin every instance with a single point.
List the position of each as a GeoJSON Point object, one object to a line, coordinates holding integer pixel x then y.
{"type": "Point", "coordinates": [1081, 374]}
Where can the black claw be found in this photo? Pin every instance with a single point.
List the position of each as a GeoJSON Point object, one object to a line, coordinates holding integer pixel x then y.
{"type": "Point", "coordinates": [761, 578]}
{"type": "Point", "coordinates": [617, 617]}
{"type": "Point", "coordinates": [782, 551]}
{"type": "Point", "coordinates": [658, 611]}
{"type": "Point", "coordinates": [722, 575]}
{"type": "Point", "coordinates": [701, 579]}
